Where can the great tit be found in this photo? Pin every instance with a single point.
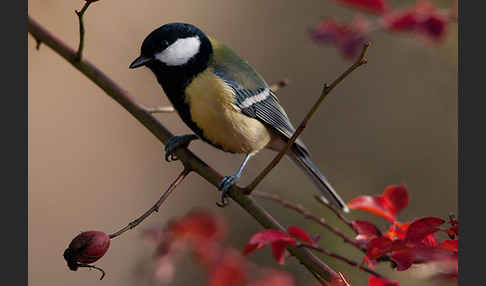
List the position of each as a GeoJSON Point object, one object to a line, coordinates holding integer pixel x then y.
{"type": "Point", "coordinates": [223, 100]}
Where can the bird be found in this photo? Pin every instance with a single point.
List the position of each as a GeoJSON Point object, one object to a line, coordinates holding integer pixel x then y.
{"type": "Point", "coordinates": [223, 100]}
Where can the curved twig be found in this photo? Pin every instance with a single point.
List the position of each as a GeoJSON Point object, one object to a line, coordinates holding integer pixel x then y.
{"type": "Point", "coordinates": [154, 208]}
{"type": "Point", "coordinates": [80, 14]}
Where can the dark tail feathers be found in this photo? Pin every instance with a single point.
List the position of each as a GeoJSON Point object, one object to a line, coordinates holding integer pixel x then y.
{"type": "Point", "coordinates": [302, 160]}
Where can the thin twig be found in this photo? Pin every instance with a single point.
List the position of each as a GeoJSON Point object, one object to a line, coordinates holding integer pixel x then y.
{"type": "Point", "coordinates": [80, 14]}
{"type": "Point", "coordinates": [340, 257]}
{"type": "Point", "coordinates": [337, 212]}
{"type": "Point", "coordinates": [307, 214]}
{"type": "Point", "coordinates": [38, 44]}
{"type": "Point", "coordinates": [325, 91]}
{"type": "Point", "coordinates": [154, 208]}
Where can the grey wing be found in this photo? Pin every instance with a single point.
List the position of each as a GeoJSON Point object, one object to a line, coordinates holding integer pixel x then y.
{"type": "Point", "coordinates": [262, 104]}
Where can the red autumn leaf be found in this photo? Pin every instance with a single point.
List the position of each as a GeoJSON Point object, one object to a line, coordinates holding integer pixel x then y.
{"type": "Point", "coordinates": [397, 196]}
{"type": "Point", "coordinates": [397, 230]}
{"type": "Point", "coordinates": [424, 19]}
{"type": "Point", "coordinates": [393, 200]}
{"type": "Point", "coordinates": [298, 233]}
{"type": "Point", "coordinates": [374, 205]}
{"type": "Point", "coordinates": [431, 241]}
{"type": "Point", "coordinates": [419, 229]}
{"type": "Point", "coordinates": [347, 37]}
{"type": "Point", "coordinates": [379, 246]}
{"type": "Point", "coordinates": [278, 250]}
{"type": "Point", "coordinates": [403, 258]}
{"type": "Point", "coordinates": [382, 245]}
{"type": "Point", "coordinates": [199, 225]}
{"type": "Point", "coordinates": [278, 241]}
{"type": "Point", "coordinates": [372, 6]}
{"type": "Point", "coordinates": [366, 230]}
{"type": "Point", "coordinates": [449, 244]}
{"type": "Point", "coordinates": [434, 26]}
{"type": "Point", "coordinates": [201, 229]}
{"type": "Point", "coordinates": [401, 22]}
{"type": "Point", "coordinates": [229, 270]}
{"type": "Point", "coordinates": [377, 281]}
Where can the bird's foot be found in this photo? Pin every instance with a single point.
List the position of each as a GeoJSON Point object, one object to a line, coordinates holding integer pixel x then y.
{"type": "Point", "coordinates": [177, 142]}
{"type": "Point", "coordinates": [226, 183]}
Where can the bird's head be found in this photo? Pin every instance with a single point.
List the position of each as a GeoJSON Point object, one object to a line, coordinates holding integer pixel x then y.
{"type": "Point", "coordinates": [175, 47]}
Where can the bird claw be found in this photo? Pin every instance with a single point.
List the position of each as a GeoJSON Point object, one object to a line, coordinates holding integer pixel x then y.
{"type": "Point", "coordinates": [226, 183]}
{"type": "Point", "coordinates": [177, 142]}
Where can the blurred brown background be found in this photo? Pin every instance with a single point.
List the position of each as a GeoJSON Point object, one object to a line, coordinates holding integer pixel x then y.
{"type": "Point", "coordinates": [93, 167]}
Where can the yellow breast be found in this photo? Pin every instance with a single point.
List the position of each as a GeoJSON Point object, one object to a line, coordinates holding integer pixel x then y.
{"type": "Point", "coordinates": [212, 108]}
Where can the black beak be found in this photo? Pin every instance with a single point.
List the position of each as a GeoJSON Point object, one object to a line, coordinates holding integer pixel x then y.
{"type": "Point", "coordinates": [140, 61]}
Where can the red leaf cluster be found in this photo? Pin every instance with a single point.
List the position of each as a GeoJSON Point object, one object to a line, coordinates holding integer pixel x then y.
{"type": "Point", "coordinates": [278, 241]}
{"type": "Point", "coordinates": [349, 38]}
{"type": "Point", "coordinates": [404, 243]}
{"type": "Point", "coordinates": [423, 19]}
{"type": "Point", "coordinates": [202, 233]}
{"type": "Point", "coordinates": [371, 6]}
{"type": "Point", "coordinates": [387, 205]}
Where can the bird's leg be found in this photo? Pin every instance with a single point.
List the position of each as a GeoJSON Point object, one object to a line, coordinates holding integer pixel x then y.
{"type": "Point", "coordinates": [176, 142]}
{"type": "Point", "coordinates": [230, 180]}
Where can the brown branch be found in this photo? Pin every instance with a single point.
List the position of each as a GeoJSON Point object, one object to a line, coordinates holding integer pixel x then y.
{"type": "Point", "coordinates": [325, 91]}
{"type": "Point", "coordinates": [307, 214]}
{"type": "Point", "coordinates": [154, 208]}
{"type": "Point", "coordinates": [342, 258]}
{"type": "Point", "coordinates": [336, 212]}
{"type": "Point", "coordinates": [188, 159]}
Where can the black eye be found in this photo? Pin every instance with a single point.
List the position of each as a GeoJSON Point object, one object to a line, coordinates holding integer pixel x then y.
{"type": "Point", "coordinates": [166, 43]}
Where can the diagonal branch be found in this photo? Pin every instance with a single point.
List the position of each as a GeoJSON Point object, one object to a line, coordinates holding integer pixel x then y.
{"type": "Point", "coordinates": [188, 159]}
{"type": "Point", "coordinates": [325, 91]}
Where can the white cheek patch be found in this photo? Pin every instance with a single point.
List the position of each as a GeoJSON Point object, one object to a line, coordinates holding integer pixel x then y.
{"type": "Point", "coordinates": [180, 52]}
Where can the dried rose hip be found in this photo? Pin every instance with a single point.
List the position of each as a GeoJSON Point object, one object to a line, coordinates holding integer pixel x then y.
{"type": "Point", "coordinates": [87, 247]}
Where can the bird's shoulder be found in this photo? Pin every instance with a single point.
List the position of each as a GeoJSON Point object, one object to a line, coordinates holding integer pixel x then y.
{"type": "Point", "coordinates": [228, 65]}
